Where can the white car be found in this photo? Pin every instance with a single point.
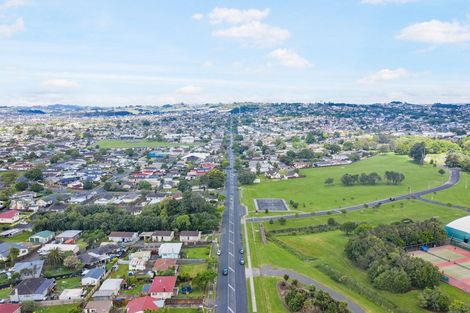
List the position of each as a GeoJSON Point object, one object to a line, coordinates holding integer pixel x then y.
{"type": "Point", "coordinates": [219, 252]}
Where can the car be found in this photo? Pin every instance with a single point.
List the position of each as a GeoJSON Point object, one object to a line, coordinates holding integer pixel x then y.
{"type": "Point", "coordinates": [225, 271]}
{"type": "Point", "coordinates": [219, 252]}
{"type": "Point", "coordinates": [242, 261]}
{"type": "Point", "coordinates": [241, 251]}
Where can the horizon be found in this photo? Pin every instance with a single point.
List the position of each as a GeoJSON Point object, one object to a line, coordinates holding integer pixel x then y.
{"type": "Point", "coordinates": [119, 54]}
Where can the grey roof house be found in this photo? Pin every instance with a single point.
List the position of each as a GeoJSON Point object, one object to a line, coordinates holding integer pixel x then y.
{"type": "Point", "coordinates": [32, 289]}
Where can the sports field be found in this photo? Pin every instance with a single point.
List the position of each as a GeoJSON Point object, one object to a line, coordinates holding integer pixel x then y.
{"type": "Point", "coordinates": [454, 263]}
{"type": "Point", "coordinates": [125, 144]}
{"type": "Point", "coordinates": [457, 195]}
{"type": "Point", "coordinates": [311, 193]}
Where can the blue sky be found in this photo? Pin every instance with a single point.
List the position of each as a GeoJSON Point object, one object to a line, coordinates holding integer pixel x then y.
{"type": "Point", "coordinates": [117, 52]}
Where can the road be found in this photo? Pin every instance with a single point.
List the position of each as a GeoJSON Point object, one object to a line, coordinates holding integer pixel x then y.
{"type": "Point", "coordinates": [453, 179]}
{"type": "Point", "coordinates": [231, 289]}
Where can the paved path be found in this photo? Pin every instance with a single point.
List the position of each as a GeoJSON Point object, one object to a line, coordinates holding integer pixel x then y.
{"type": "Point", "coordinates": [444, 204]}
{"type": "Point", "coordinates": [453, 179]}
{"type": "Point", "coordinates": [269, 271]}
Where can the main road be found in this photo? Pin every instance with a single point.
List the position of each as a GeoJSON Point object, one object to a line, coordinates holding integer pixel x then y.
{"type": "Point", "coordinates": [231, 288]}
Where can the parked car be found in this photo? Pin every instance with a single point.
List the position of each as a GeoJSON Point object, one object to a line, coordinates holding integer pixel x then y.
{"type": "Point", "coordinates": [225, 271]}
{"type": "Point", "coordinates": [242, 261]}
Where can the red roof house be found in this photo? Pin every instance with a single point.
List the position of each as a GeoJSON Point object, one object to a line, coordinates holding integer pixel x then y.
{"type": "Point", "coordinates": [10, 308]}
{"type": "Point", "coordinates": [139, 305]}
{"type": "Point", "coordinates": [163, 287]}
{"type": "Point", "coordinates": [9, 217]}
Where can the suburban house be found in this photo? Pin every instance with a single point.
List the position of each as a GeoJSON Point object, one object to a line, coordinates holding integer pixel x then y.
{"type": "Point", "coordinates": [10, 308]}
{"type": "Point", "coordinates": [93, 276]}
{"type": "Point", "coordinates": [9, 217]}
{"type": "Point", "coordinates": [62, 248]}
{"type": "Point", "coordinates": [32, 289]}
{"type": "Point", "coordinates": [122, 236]}
{"type": "Point", "coordinates": [42, 237]}
{"type": "Point", "coordinates": [31, 269]}
{"type": "Point", "coordinates": [163, 287]}
{"type": "Point", "coordinates": [170, 250]}
{"type": "Point", "coordinates": [190, 236]}
{"type": "Point", "coordinates": [68, 236]}
{"type": "Point", "coordinates": [140, 305]}
{"type": "Point", "coordinates": [162, 265]}
{"type": "Point", "coordinates": [163, 235]}
{"type": "Point", "coordinates": [98, 306]}
{"type": "Point", "coordinates": [137, 264]}
{"type": "Point", "coordinates": [7, 246]}
{"type": "Point", "coordinates": [109, 288]}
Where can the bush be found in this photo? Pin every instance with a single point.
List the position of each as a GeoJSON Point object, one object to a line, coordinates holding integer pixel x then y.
{"type": "Point", "coordinates": [434, 299]}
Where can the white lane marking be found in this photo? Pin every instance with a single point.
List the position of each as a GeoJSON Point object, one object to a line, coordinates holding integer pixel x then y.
{"type": "Point", "coordinates": [230, 309]}
{"type": "Point", "coordinates": [231, 269]}
{"type": "Point", "coordinates": [231, 287]}
{"type": "Point", "coordinates": [230, 253]}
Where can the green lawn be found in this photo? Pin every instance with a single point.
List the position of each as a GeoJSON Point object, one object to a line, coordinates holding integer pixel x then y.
{"type": "Point", "coordinates": [388, 213]}
{"type": "Point", "coordinates": [264, 254]}
{"type": "Point", "coordinates": [124, 144]}
{"type": "Point", "coordinates": [313, 195]}
{"type": "Point", "coordinates": [22, 237]}
{"type": "Point", "coordinates": [266, 291]}
{"type": "Point", "coordinates": [50, 271]}
{"type": "Point", "coordinates": [68, 283]}
{"type": "Point", "coordinates": [122, 271]}
{"type": "Point", "coordinates": [135, 291]}
{"type": "Point", "coordinates": [192, 269]}
{"type": "Point", "coordinates": [5, 293]}
{"type": "Point", "coordinates": [457, 195]}
{"type": "Point", "coordinates": [197, 253]}
{"type": "Point", "coordinates": [56, 308]}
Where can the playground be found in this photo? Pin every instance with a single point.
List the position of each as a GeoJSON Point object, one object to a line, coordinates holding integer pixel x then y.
{"type": "Point", "coordinates": [454, 263]}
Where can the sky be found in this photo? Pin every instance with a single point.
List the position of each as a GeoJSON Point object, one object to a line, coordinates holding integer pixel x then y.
{"type": "Point", "coordinates": [153, 52]}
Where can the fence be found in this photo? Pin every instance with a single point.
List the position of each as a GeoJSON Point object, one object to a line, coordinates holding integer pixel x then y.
{"type": "Point", "coordinates": [60, 302]}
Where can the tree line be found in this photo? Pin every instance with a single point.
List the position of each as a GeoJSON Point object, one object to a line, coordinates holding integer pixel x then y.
{"type": "Point", "coordinates": [391, 177]}
{"type": "Point", "coordinates": [192, 212]}
{"type": "Point", "coordinates": [379, 250]}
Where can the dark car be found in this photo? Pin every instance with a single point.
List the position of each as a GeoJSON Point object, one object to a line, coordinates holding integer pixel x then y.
{"type": "Point", "coordinates": [225, 271]}
{"type": "Point", "coordinates": [242, 261]}
{"type": "Point", "coordinates": [241, 251]}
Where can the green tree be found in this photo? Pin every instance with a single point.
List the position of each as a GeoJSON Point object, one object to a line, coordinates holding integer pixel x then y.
{"type": "Point", "coordinates": [418, 152]}
{"type": "Point", "coordinates": [144, 185]}
{"type": "Point", "coordinates": [36, 187]}
{"type": "Point", "coordinates": [182, 222]}
{"type": "Point", "coordinates": [329, 181]}
{"type": "Point", "coordinates": [28, 307]}
{"type": "Point", "coordinates": [214, 178]}
{"type": "Point", "coordinates": [246, 177]}
{"type": "Point", "coordinates": [13, 254]}
{"type": "Point", "coordinates": [348, 227]}
{"type": "Point", "coordinates": [433, 299]}
{"type": "Point", "coordinates": [458, 306]}
{"type": "Point", "coordinates": [21, 186]}
{"type": "Point", "coordinates": [72, 262]}
{"type": "Point", "coordinates": [55, 258]}
{"type": "Point", "coordinates": [202, 279]}
{"type": "Point", "coordinates": [87, 185]}
{"type": "Point", "coordinates": [34, 174]}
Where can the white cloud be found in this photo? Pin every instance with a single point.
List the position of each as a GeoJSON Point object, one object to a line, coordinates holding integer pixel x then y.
{"type": "Point", "coordinates": [288, 58]}
{"type": "Point", "coordinates": [436, 32]}
{"type": "Point", "coordinates": [386, 1]}
{"type": "Point", "coordinates": [13, 3]}
{"type": "Point", "coordinates": [6, 30]}
{"type": "Point", "coordinates": [60, 84]}
{"type": "Point", "coordinates": [255, 32]}
{"type": "Point", "coordinates": [385, 75]}
{"type": "Point", "coordinates": [198, 16]}
{"type": "Point", "coordinates": [236, 16]}
{"type": "Point", "coordinates": [189, 90]}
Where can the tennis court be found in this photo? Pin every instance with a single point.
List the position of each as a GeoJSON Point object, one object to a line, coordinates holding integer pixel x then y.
{"type": "Point", "coordinates": [270, 204]}
{"type": "Point", "coordinates": [453, 262]}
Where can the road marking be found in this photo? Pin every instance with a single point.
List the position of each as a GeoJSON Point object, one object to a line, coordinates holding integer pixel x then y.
{"type": "Point", "coordinates": [230, 253]}
{"type": "Point", "coordinates": [231, 269]}
{"type": "Point", "coordinates": [230, 309]}
{"type": "Point", "coordinates": [231, 287]}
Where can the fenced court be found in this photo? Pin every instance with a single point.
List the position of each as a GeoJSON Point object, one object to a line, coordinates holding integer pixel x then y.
{"type": "Point", "coordinates": [270, 204]}
{"type": "Point", "coordinates": [453, 262]}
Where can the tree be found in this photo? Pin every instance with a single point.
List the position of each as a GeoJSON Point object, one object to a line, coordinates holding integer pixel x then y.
{"type": "Point", "coordinates": [28, 307]}
{"type": "Point", "coordinates": [394, 178]}
{"type": "Point", "coordinates": [184, 185]}
{"type": "Point", "coordinates": [144, 185]}
{"type": "Point", "coordinates": [349, 179]}
{"type": "Point", "coordinates": [36, 187]}
{"type": "Point", "coordinates": [310, 139]}
{"type": "Point", "coordinates": [72, 262]}
{"type": "Point", "coordinates": [34, 174]}
{"type": "Point", "coordinates": [441, 171]}
{"type": "Point", "coordinates": [458, 306]}
{"type": "Point", "coordinates": [130, 152]}
{"type": "Point", "coordinates": [55, 257]}
{"type": "Point", "coordinates": [348, 227]}
{"type": "Point", "coordinates": [202, 279]}
{"type": "Point", "coordinates": [286, 277]}
{"type": "Point", "coordinates": [87, 185]}
{"type": "Point", "coordinates": [21, 186]}
{"type": "Point", "coordinates": [329, 181]}
{"type": "Point", "coordinates": [182, 222]}
{"type": "Point", "coordinates": [418, 152]}
{"type": "Point", "coordinates": [433, 299]}
{"type": "Point", "coordinates": [214, 178]}
{"type": "Point", "coordinates": [246, 177]}
{"type": "Point", "coordinates": [13, 254]}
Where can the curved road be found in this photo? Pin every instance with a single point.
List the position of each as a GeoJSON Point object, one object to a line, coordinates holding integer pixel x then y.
{"type": "Point", "coordinates": [453, 179]}
{"type": "Point", "coordinates": [269, 271]}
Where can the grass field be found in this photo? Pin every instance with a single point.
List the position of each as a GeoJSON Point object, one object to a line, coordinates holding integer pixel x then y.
{"type": "Point", "coordinates": [332, 250]}
{"type": "Point", "coordinates": [124, 144]}
{"type": "Point", "coordinates": [68, 283]}
{"type": "Point", "coordinates": [5, 293]}
{"type": "Point", "coordinates": [23, 237]}
{"type": "Point", "coordinates": [197, 253]}
{"type": "Point", "coordinates": [387, 213]}
{"type": "Point", "coordinates": [266, 289]}
{"type": "Point", "coordinates": [328, 248]}
{"type": "Point", "coordinates": [122, 271]}
{"type": "Point", "coordinates": [313, 195]}
{"type": "Point", "coordinates": [457, 195]}
{"type": "Point", "coordinates": [56, 308]}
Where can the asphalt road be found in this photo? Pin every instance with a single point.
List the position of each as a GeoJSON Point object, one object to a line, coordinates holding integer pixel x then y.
{"type": "Point", "coordinates": [231, 289]}
{"type": "Point", "coordinates": [453, 179]}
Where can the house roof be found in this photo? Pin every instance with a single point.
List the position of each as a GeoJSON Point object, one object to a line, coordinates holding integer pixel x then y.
{"type": "Point", "coordinates": [163, 284]}
{"type": "Point", "coordinates": [34, 286]}
{"type": "Point", "coordinates": [95, 273]}
{"type": "Point", "coordinates": [9, 308]}
{"type": "Point", "coordinates": [9, 214]}
{"type": "Point", "coordinates": [7, 246]}
{"type": "Point", "coordinates": [43, 234]}
{"type": "Point", "coordinates": [112, 284]}
{"type": "Point", "coordinates": [462, 224]}
{"type": "Point", "coordinates": [36, 264]}
{"type": "Point", "coordinates": [162, 233]}
{"type": "Point", "coordinates": [164, 264]}
{"type": "Point", "coordinates": [122, 234]}
{"type": "Point", "coordinates": [101, 306]}
{"type": "Point", "coordinates": [142, 304]}
{"type": "Point", "coordinates": [190, 233]}
{"type": "Point", "coordinates": [166, 248]}
{"type": "Point", "coordinates": [69, 234]}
